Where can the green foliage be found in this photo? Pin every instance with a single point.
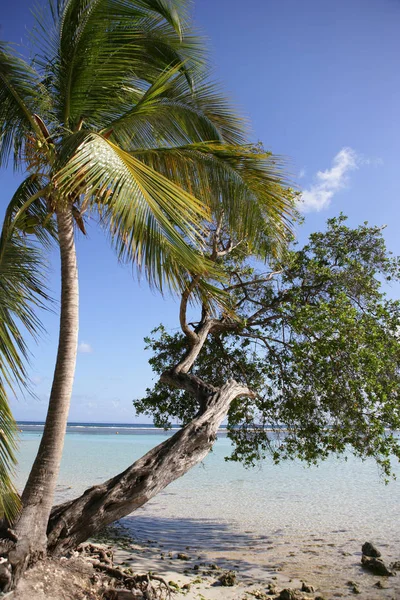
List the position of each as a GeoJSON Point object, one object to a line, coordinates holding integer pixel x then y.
{"type": "Point", "coordinates": [115, 117]}
{"type": "Point", "coordinates": [21, 96]}
{"type": "Point", "coordinates": [117, 114]}
{"type": "Point", "coordinates": [22, 292]}
{"type": "Point", "coordinates": [318, 343]}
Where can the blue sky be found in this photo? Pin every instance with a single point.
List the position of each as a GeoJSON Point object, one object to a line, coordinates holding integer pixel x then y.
{"type": "Point", "coordinates": [320, 83]}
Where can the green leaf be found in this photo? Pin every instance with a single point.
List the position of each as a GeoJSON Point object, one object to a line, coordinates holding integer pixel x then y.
{"type": "Point", "coordinates": [22, 293]}
{"type": "Point", "coordinates": [151, 219]}
{"type": "Point", "coordinates": [105, 44]}
{"type": "Point", "coordinates": [21, 95]}
{"type": "Point", "coordinates": [246, 184]}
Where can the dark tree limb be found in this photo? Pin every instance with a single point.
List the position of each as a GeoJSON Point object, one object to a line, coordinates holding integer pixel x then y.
{"type": "Point", "coordinates": [190, 334]}
{"type": "Point", "coordinates": [74, 522]}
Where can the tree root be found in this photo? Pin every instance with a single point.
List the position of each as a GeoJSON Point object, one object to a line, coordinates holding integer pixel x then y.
{"type": "Point", "coordinates": [93, 551]}
{"type": "Point", "coordinates": [147, 586]}
{"type": "Point", "coordinates": [139, 583]}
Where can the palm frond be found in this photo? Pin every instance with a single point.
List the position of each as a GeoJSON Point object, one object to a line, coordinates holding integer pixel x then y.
{"type": "Point", "coordinates": [28, 213]}
{"type": "Point", "coordinates": [21, 96]}
{"type": "Point", "coordinates": [22, 293]}
{"type": "Point", "coordinates": [248, 185]}
{"type": "Point", "coordinates": [149, 216]}
{"type": "Point", "coordinates": [9, 498]}
{"type": "Point", "coordinates": [104, 45]}
{"type": "Point", "coordinates": [172, 113]}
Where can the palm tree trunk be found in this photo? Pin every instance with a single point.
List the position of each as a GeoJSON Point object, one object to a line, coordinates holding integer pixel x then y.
{"type": "Point", "coordinates": [38, 495]}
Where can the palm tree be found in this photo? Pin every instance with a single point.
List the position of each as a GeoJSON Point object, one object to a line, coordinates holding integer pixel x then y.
{"type": "Point", "coordinates": [115, 117]}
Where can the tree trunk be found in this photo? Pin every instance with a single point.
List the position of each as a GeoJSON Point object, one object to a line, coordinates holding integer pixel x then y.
{"type": "Point", "coordinates": [74, 522]}
{"type": "Point", "coordinates": [38, 495]}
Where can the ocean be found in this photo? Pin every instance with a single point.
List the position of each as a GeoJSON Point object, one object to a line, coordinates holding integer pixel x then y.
{"type": "Point", "coordinates": [222, 507]}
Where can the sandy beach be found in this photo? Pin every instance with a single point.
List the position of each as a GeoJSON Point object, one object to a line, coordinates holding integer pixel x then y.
{"type": "Point", "coordinates": [331, 565]}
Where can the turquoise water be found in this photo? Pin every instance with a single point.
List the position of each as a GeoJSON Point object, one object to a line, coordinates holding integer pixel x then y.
{"type": "Point", "coordinates": [338, 496]}
{"type": "Point", "coordinates": [288, 520]}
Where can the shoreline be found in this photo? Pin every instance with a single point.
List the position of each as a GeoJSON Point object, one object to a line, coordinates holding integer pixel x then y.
{"type": "Point", "coordinates": [331, 566]}
{"type": "Point", "coordinates": [109, 566]}
{"type": "Point", "coordinates": [276, 524]}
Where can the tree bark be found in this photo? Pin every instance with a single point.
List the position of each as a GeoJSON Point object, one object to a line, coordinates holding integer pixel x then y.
{"type": "Point", "coordinates": [38, 495]}
{"type": "Point", "coordinates": [74, 522]}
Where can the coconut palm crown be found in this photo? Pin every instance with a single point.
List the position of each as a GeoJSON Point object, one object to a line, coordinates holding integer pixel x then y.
{"type": "Point", "coordinates": [115, 116]}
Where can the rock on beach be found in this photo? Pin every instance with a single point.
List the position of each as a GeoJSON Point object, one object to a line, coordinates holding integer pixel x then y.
{"type": "Point", "coordinates": [370, 550]}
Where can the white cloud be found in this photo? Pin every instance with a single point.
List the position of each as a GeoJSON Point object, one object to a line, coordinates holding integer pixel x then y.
{"type": "Point", "coordinates": [302, 173]}
{"type": "Point", "coordinates": [85, 348]}
{"type": "Point", "coordinates": [319, 195]}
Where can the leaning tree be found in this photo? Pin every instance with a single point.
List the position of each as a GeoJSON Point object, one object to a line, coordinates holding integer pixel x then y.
{"type": "Point", "coordinates": [115, 117]}
{"type": "Point", "coordinates": [303, 361]}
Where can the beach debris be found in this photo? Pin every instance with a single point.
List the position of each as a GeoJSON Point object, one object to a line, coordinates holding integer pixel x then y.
{"type": "Point", "coordinates": [272, 590]}
{"type": "Point", "coordinates": [115, 594]}
{"type": "Point", "coordinates": [379, 585]}
{"type": "Point", "coordinates": [370, 550]}
{"type": "Point", "coordinates": [259, 594]}
{"type": "Point", "coordinates": [182, 556]}
{"type": "Point", "coordinates": [376, 566]}
{"type": "Point", "coordinates": [395, 565]}
{"type": "Point", "coordinates": [353, 585]}
{"type": "Point", "coordinates": [5, 573]}
{"type": "Point", "coordinates": [227, 579]}
{"type": "Point", "coordinates": [211, 570]}
{"type": "Point", "coordinates": [291, 594]}
{"type": "Point", "coordinates": [124, 583]}
{"type": "Point", "coordinates": [305, 587]}
{"type": "Point", "coordinates": [102, 553]}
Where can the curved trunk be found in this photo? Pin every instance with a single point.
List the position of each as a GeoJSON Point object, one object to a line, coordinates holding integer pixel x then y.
{"type": "Point", "coordinates": [74, 522]}
{"type": "Point", "coordinates": [38, 495]}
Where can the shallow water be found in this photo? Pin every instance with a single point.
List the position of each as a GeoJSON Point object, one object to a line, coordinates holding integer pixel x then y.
{"type": "Point", "coordinates": [233, 513]}
{"type": "Point", "coordinates": [338, 495]}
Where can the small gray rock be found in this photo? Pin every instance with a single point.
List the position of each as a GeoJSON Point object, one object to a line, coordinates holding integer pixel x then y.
{"type": "Point", "coordinates": [290, 594]}
{"type": "Point", "coordinates": [370, 550]}
{"type": "Point", "coordinates": [227, 579]}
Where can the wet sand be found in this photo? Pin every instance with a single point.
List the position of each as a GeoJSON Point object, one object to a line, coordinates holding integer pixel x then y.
{"type": "Point", "coordinates": [331, 563]}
